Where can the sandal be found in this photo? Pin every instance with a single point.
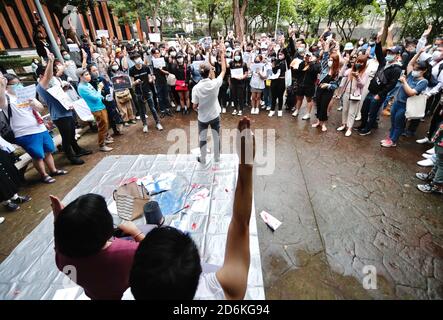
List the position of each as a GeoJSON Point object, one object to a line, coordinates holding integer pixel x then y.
{"type": "Point", "coordinates": [48, 179]}
{"type": "Point", "coordinates": [59, 173]}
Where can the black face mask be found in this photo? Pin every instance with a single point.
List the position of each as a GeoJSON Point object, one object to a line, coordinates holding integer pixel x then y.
{"type": "Point", "coordinates": [358, 66]}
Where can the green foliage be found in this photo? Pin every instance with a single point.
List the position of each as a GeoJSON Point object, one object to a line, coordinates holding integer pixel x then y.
{"type": "Point", "coordinates": [416, 15]}
{"type": "Point", "coordinates": [12, 62]}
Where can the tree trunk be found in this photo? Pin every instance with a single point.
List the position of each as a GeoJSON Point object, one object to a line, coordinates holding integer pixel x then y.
{"type": "Point", "coordinates": [154, 18]}
{"type": "Point", "coordinates": [239, 18]}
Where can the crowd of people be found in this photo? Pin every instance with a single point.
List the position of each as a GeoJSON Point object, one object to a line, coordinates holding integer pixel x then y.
{"type": "Point", "coordinates": [215, 77]}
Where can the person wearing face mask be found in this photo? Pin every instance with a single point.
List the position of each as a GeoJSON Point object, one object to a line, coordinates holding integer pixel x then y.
{"type": "Point", "coordinates": [50, 77]}
{"type": "Point", "coordinates": [28, 127]}
{"type": "Point", "coordinates": [161, 85]}
{"type": "Point", "coordinates": [384, 81]}
{"type": "Point", "coordinates": [278, 85]}
{"type": "Point", "coordinates": [412, 85]}
{"type": "Point", "coordinates": [182, 73]}
{"type": "Point", "coordinates": [257, 83]}
{"type": "Point", "coordinates": [142, 79]}
{"type": "Point", "coordinates": [238, 83]}
{"type": "Point", "coordinates": [171, 61]}
{"type": "Point", "coordinates": [103, 85]}
{"type": "Point", "coordinates": [223, 96]}
{"type": "Point", "coordinates": [353, 83]}
{"type": "Point", "coordinates": [297, 75]}
{"type": "Point", "coordinates": [122, 98]}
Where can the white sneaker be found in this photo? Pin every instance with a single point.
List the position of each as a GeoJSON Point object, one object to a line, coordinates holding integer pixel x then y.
{"type": "Point", "coordinates": [358, 118]}
{"type": "Point", "coordinates": [106, 149]}
{"type": "Point", "coordinates": [431, 151]}
{"type": "Point", "coordinates": [240, 113]}
{"type": "Point", "coordinates": [253, 111]}
{"type": "Point", "coordinates": [306, 117]}
{"type": "Point", "coordinates": [280, 113]}
{"type": "Point", "coordinates": [2, 219]}
{"type": "Point", "coordinates": [232, 104]}
{"type": "Point", "coordinates": [271, 113]}
{"type": "Point", "coordinates": [262, 103]}
{"type": "Point", "coordinates": [295, 113]}
{"type": "Point", "coordinates": [108, 141]}
{"type": "Point", "coordinates": [137, 117]}
{"type": "Point", "coordinates": [179, 108]}
{"type": "Point", "coordinates": [422, 141]}
{"type": "Point", "coordinates": [268, 108]}
{"type": "Point", "coordinates": [340, 108]}
{"type": "Point", "coordinates": [257, 111]}
{"type": "Point", "coordinates": [426, 156]}
{"type": "Point", "coordinates": [426, 163]}
{"type": "Point", "coordinates": [145, 129]}
{"type": "Point", "coordinates": [159, 127]}
{"type": "Point", "coordinates": [234, 112]}
{"type": "Point", "coordinates": [341, 128]}
{"type": "Point", "coordinates": [223, 110]}
{"type": "Point", "coordinates": [348, 133]}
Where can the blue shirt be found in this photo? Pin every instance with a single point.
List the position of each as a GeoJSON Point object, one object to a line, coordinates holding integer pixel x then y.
{"type": "Point", "coordinates": [56, 110]}
{"type": "Point", "coordinates": [417, 85]}
{"type": "Point", "coordinates": [92, 97]}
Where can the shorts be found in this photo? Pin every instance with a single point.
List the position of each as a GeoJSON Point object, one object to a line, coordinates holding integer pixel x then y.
{"type": "Point", "coordinates": [36, 145]}
{"type": "Point", "coordinates": [255, 90]}
{"type": "Point", "coordinates": [308, 92]}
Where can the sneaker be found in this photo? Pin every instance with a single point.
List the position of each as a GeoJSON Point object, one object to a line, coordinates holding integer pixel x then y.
{"type": "Point", "coordinates": [271, 114]}
{"type": "Point", "coordinates": [137, 117]}
{"type": "Point", "coordinates": [223, 110]}
{"type": "Point", "coordinates": [340, 108]}
{"type": "Point", "coordinates": [426, 156]}
{"type": "Point", "coordinates": [106, 149]}
{"type": "Point", "coordinates": [263, 107]}
{"type": "Point", "coordinates": [388, 144]}
{"type": "Point", "coordinates": [257, 111]}
{"type": "Point", "coordinates": [109, 141]}
{"type": "Point", "coordinates": [424, 176]}
{"type": "Point", "coordinates": [240, 113]}
{"type": "Point", "coordinates": [159, 127]}
{"type": "Point", "coordinates": [262, 103]}
{"type": "Point", "coordinates": [178, 109]}
{"type": "Point", "coordinates": [11, 206]}
{"type": "Point", "coordinates": [199, 159]}
{"type": "Point", "coordinates": [1, 220]}
{"type": "Point", "coordinates": [364, 132]}
{"type": "Point", "coordinates": [295, 113]}
{"type": "Point", "coordinates": [280, 113]}
{"type": "Point", "coordinates": [324, 128]}
{"type": "Point", "coordinates": [423, 141]}
{"type": "Point", "coordinates": [234, 112]}
{"type": "Point", "coordinates": [431, 151]}
{"type": "Point", "coordinates": [132, 122]}
{"type": "Point", "coordinates": [426, 163]}
{"type": "Point", "coordinates": [430, 188]}
{"type": "Point", "coordinates": [83, 152]}
{"type": "Point", "coordinates": [348, 133]}
{"type": "Point", "coordinates": [385, 140]}
{"type": "Point", "coordinates": [21, 199]}
{"type": "Point", "coordinates": [341, 128]}
{"type": "Point", "coordinates": [145, 129]}
{"type": "Point", "coordinates": [126, 124]}
{"type": "Point", "coordinates": [306, 117]}
{"type": "Point", "coordinates": [76, 160]}
{"type": "Point", "coordinates": [268, 108]}
{"type": "Point", "coordinates": [358, 118]}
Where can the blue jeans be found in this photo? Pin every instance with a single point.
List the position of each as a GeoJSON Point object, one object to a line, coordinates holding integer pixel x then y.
{"type": "Point", "coordinates": [267, 96]}
{"type": "Point", "coordinates": [141, 106]}
{"type": "Point", "coordinates": [369, 112]}
{"type": "Point", "coordinates": [398, 121]}
{"type": "Point", "coordinates": [163, 97]}
{"type": "Point", "coordinates": [391, 93]}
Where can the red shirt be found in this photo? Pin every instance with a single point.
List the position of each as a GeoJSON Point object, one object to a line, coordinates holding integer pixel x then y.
{"type": "Point", "coordinates": [105, 275]}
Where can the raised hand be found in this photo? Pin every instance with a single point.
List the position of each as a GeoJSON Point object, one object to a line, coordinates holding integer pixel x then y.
{"type": "Point", "coordinates": [245, 142]}
{"type": "Point", "coordinates": [427, 32]}
{"type": "Point", "coordinates": [56, 206]}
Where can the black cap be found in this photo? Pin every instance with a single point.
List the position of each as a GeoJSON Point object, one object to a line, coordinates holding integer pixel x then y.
{"type": "Point", "coordinates": [153, 213]}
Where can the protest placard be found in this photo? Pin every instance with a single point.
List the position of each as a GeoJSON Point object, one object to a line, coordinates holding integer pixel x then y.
{"type": "Point", "coordinates": [237, 73]}
{"type": "Point", "coordinates": [83, 111]}
{"type": "Point", "coordinates": [73, 47]}
{"type": "Point", "coordinates": [158, 63]}
{"type": "Point", "coordinates": [24, 95]}
{"type": "Point", "coordinates": [102, 33]}
{"type": "Point", "coordinates": [121, 82]}
{"type": "Point", "coordinates": [58, 93]}
{"type": "Point", "coordinates": [154, 37]}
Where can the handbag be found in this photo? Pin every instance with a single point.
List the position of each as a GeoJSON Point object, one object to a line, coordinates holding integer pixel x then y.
{"type": "Point", "coordinates": [130, 199]}
{"type": "Point", "coordinates": [123, 96]}
{"type": "Point", "coordinates": [416, 107]}
{"type": "Point", "coordinates": [180, 85]}
{"type": "Point", "coordinates": [288, 76]}
{"type": "Point", "coordinates": [171, 80]}
{"type": "Point", "coordinates": [5, 127]}
{"type": "Point", "coordinates": [353, 96]}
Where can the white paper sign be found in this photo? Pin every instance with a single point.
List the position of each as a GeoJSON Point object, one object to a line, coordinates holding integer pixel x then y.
{"type": "Point", "coordinates": [73, 47]}
{"type": "Point", "coordinates": [196, 64]}
{"type": "Point", "coordinates": [237, 73]}
{"type": "Point", "coordinates": [102, 33]}
{"type": "Point", "coordinates": [83, 111]}
{"type": "Point", "coordinates": [159, 63]}
{"type": "Point", "coordinates": [58, 93]}
{"type": "Point", "coordinates": [271, 221]}
{"type": "Point", "coordinates": [24, 95]}
{"type": "Point", "coordinates": [257, 67]}
{"type": "Point", "coordinates": [154, 37]}
{"type": "Point", "coordinates": [246, 57]}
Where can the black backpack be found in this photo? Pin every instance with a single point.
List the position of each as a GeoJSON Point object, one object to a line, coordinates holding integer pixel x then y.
{"type": "Point", "coordinates": [5, 128]}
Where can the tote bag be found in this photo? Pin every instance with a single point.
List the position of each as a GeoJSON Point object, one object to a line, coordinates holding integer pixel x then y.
{"type": "Point", "coordinates": [415, 107]}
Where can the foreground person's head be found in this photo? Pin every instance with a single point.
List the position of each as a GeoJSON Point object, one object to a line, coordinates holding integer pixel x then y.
{"type": "Point", "coordinates": [166, 266]}
{"type": "Point", "coordinates": [83, 227]}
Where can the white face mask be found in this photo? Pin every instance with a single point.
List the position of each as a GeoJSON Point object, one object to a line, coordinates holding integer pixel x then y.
{"type": "Point", "coordinates": [237, 58]}
{"type": "Point", "coordinates": [138, 61]}
{"type": "Point", "coordinates": [437, 55]}
{"type": "Point", "coordinates": [180, 60]}
{"type": "Point", "coordinates": [330, 63]}
{"type": "Point", "coordinates": [173, 53]}
{"type": "Point", "coordinates": [115, 68]}
{"type": "Point", "coordinates": [416, 74]}
{"type": "Point", "coordinates": [67, 57]}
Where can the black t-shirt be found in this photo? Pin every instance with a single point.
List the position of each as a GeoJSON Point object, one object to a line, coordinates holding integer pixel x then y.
{"type": "Point", "coordinates": [309, 77]}
{"type": "Point", "coordinates": [237, 65]}
{"type": "Point", "coordinates": [160, 77]}
{"type": "Point", "coordinates": [143, 75]}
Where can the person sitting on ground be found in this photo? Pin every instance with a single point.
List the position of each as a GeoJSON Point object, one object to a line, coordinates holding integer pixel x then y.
{"type": "Point", "coordinates": [83, 236]}
{"type": "Point", "coordinates": [167, 263]}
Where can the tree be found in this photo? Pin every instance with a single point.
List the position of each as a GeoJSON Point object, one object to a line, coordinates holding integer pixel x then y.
{"type": "Point", "coordinates": [416, 15]}
{"type": "Point", "coordinates": [208, 7]}
{"type": "Point", "coordinates": [239, 9]}
{"type": "Point", "coordinates": [392, 7]}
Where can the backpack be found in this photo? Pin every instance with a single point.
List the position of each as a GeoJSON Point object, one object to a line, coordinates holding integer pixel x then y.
{"type": "Point", "coordinates": [5, 127]}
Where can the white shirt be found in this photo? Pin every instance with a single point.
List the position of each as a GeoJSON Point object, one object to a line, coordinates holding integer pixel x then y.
{"type": "Point", "coordinates": [435, 68]}
{"type": "Point", "coordinates": [205, 94]}
{"type": "Point", "coordinates": [23, 121]}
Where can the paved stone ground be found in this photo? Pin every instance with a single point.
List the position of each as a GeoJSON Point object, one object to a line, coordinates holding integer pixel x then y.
{"type": "Point", "coordinates": [344, 203]}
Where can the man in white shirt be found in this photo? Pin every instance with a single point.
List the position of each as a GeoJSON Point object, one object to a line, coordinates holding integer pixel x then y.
{"type": "Point", "coordinates": [205, 102]}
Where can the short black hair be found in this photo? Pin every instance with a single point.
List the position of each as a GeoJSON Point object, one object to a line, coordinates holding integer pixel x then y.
{"type": "Point", "coordinates": [166, 266]}
{"type": "Point", "coordinates": [89, 66]}
{"type": "Point", "coordinates": [83, 227]}
{"type": "Point", "coordinates": [10, 77]}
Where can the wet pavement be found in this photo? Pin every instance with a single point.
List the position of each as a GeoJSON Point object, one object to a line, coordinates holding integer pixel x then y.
{"type": "Point", "coordinates": [345, 203]}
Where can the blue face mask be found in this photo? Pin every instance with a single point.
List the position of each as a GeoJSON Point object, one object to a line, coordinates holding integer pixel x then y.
{"type": "Point", "coordinates": [390, 58]}
{"type": "Point", "coordinates": [17, 86]}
